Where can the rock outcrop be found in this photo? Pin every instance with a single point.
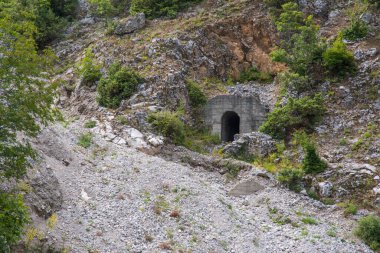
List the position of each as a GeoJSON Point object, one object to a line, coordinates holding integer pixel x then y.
{"type": "Point", "coordinates": [253, 144]}
{"type": "Point", "coordinates": [130, 24]}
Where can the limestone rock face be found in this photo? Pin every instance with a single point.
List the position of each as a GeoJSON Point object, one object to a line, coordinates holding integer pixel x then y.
{"type": "Point", "coordinates": [131, 24]}
{"type": "Point", "coordinates": [45, 197]}
{"type": "Point", "coordinates": [252, 144]}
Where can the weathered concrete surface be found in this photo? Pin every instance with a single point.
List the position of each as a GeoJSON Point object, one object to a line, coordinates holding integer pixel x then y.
{"type": "Point", "coordinates": [249, 109]}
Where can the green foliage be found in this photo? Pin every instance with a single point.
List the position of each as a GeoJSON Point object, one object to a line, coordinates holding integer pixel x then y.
{"type": "Point", "coordinates": [169, 125]}
{"type": "Point", "coordinates": [85, 140]}
{"type": "Point", "coordinates": [337, 59]}
{"type": "Point", "coordinates": [357, 30]}
{"type": "Point", "coordinates": [163, 8]}
{"type": "Point", "coordinates": [101, 8]}
{"type": "Point", "coordinates": [312, 163]}
{"type": "Point", "coordinates": [13, 217]}
{"type": "Point", "coordinates": [196, 96]}
{"type": "Point", "coordinates": [25, 94]}
{"type": "Point", "coordinates": [301, 113]}
{"type": "Point", "coordinates": [290, 20]}
{"type": "Point", "coordinates": [90, 124]}
{"type": "Point", "coordinates": [88, 69]}
{"type": "Point", "coordinates": [369, 231]}
{"type": "Point", "coordinates": [309, 220]}
{"type": "Point", "coordinates": [350, 209]}
{"type": "Point", "coordinates": [295, 82]}
{"type": "Point", "coordinates": [121, 84]}
{"type": "Point", "coordinates": [199, 140]}
{"type": "Point", "coordinates": [253, 74]}
{"type": "Point", "coordinates": [291, 178]}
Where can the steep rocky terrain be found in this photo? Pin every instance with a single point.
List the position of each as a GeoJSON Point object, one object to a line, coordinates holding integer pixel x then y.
{"type": "Point", "coordinates": [131, 192]}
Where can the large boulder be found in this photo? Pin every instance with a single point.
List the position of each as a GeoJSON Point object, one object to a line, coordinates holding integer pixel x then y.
{"type": "Point", "coordinates": [45, 196]}
{"type": "Point", "coordinates": [130, 24]}
{"type": "Point", "coordinates": [250, 145]}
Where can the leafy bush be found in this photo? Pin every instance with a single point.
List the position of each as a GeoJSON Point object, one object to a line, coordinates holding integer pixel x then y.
{"type": "Point", "coordinates": [121, 84]}
{"type": "Point", "coordinates": [291, 178]}
{"type": "Point", "coordinates": [301, 113]}
{"type": "Point", "coordinates": [163, 8]}
{"type": "Point", "coordinates": [338, 59]}
{"type": "Point", "coordinates": [13, 217]}
{"type": "Point", "coordinates": [196, 96]}
{"type": "Point", "coordinates": [295, 82]}
{"type": "Point", "coordinates": [369, 231]}
{"type": "Point", "coordinates": [169, 125]}
{"type": "Point", "coordinates": [357, 30]}
{"type": "Point", "coordinates": [253, 74]}
{"type": "Point", "coordinates": [88, 69]}
{"type": "Point", "coordinates": [101, 8]}
{"type": "Point", "coordinates": [350, 209]}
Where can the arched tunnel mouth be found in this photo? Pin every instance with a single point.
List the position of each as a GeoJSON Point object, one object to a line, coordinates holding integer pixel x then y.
{"type": "Point", "coordinates": [230, 126]}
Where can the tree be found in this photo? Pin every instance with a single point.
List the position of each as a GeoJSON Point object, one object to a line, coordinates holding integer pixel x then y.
{"type": "Point", "coordinates": [337, 59]}
{"type": "Point", "coordinates": [26, 98]}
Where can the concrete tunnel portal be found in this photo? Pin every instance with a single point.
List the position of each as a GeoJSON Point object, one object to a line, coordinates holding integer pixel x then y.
{"type": "Point", "coordinates": [228, 115]}
{"type": "Point", "coordinates": [230, 126]}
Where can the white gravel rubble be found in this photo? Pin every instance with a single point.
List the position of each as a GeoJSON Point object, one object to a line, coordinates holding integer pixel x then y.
{"type": "Point", "coordinates": [119, 199]}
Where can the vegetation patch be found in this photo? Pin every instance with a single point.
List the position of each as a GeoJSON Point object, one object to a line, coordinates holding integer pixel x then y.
{"type": "Point", "coordinates": [13, 217]}
{"type": "Point", "coordinates": [165, 8]}
{"type": "Point", "coordinates": [369, 231]}
{"type": "Point", "coordinates": [303, 113]}
{"type": "Point", "coordinates": [88, 69]}
{"type": "Point", "coordinates": [337, 59]}
{"type": "Point", "coordinates": [120, 84]}
{"type": "Point", "coordinates": [292, 178]}
{"type": "Point", "coordinates": [253, 74]}
{"type": "Point", "coordinates": [85, 140]}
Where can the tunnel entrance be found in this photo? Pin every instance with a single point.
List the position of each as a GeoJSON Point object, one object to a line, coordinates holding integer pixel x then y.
{"type": "Point", "coordinates": [230, 125]}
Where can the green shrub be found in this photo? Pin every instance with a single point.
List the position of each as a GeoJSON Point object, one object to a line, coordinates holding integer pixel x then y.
{"type": "Point", "coordinates": [357, 30]}
{"type": "Point", "coordinates": [90, 124]}
{"type": "Point", "coordinates": [199, 140]}
{"type": "Point", "coordinates": [169, 125]}
{"type": "Point", "coordinates": [296, 82]}
{"type": "Point", "coordinates": [350, 209]}
{"type": "Point", "coordinates": [163, 8]}
{"type": "Point", "coordinates": [13, 217]}
{"type": "Point", "coordinates": [85, 140]}
{"type": "Point", "coordinates": [337, 59]}
{"type": "Point", "coordinates": [312, 163]}
{"type": "Point", "coordinates": [121, 84]}
{"type": "Point", "coordinates": [291, 178]}
{"type": "Point", "coordinates": [101, 8]}
{"type": "Point", "coordinates": [309, 220]}
{"type": "Point", "coordinates": [369, 231]}
{"type": "Point", "coordinates": [88, 69]}
{"type": "Point", "coordinates": [302, 113]}
{"type": "Point", "coordinates": [253, 74]}
{"type": "Point", "coordinates": [196, 96]}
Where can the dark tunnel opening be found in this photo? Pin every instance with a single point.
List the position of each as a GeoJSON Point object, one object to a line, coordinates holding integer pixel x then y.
{"type": "Point", "coordinates": [230, 126]}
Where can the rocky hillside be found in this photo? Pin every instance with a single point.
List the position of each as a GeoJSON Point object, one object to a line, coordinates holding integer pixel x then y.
{"type": "Point", "coordinates": [110, 180]}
